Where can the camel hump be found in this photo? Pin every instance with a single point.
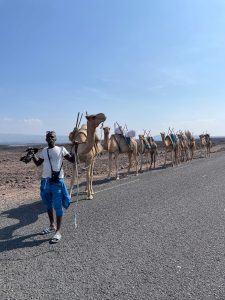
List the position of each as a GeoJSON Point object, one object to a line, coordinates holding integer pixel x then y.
{"type": "Point", "coordinates": [76, 133]}
{"type": "Point", "coordinates": [83, 129]}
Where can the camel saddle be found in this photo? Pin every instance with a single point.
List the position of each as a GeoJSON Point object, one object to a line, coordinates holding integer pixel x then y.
{"type": "Point", "coordinates": [147, 144]}
{"type": "Point", "coordinates": [127, 140]}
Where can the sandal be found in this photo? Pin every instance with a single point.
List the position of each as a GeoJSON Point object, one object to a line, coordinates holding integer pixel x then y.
{"type": "Point", "coordinates": [56, 238]}
{"type": "Point", "coordinates": [48, 230]}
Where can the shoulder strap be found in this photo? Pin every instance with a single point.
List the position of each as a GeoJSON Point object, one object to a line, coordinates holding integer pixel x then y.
{"type": "Point", "coordinates": [51, 164]}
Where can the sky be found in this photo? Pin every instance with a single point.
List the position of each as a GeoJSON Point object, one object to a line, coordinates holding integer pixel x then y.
{"type": "Point", "coordinates": [146, 64]}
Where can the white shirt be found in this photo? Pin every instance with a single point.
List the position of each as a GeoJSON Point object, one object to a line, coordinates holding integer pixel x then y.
{"type": "Point", "coordinates": [56, 155]}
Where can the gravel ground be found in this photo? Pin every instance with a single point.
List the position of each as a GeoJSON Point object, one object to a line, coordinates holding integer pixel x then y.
{"type": "Point", "coordinates": [19, 182]}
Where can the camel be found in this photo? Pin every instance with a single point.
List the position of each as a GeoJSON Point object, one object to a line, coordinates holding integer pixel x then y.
{"type": "Point", "coordinates": [117, 144]}
{"type": "Point", "coordinates": [184, 146]}
{"type": "Point", "coordinates": [191, 143]}
{"type": "Point", "coordinates": [85, 148]}
{"type": "Point", "coordinates": [153, 150]}
{"type": "Point", "coordinates": [205, 143]}
{"type": "Point", "coordinates": [144, 148]}
{"type": "Point", "coordinates": [170, 146]}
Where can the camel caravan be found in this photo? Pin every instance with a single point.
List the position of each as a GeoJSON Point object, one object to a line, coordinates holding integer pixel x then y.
{"type": "Point", "coordinates": [181, 145]}
{"type": "Point", "coordinates": [86, 146]}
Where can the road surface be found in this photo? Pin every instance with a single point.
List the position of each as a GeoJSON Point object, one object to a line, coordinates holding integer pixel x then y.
{"type": "Point", "coordinates": [160, 235]}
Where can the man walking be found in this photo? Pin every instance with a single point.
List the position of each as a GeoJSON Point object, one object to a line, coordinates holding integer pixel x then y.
{"type": "Point", "coordinates": [53, 190]}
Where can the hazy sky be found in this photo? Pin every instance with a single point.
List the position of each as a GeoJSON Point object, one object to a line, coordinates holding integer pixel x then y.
{"type": "Point", "coordinates": [149, 64]}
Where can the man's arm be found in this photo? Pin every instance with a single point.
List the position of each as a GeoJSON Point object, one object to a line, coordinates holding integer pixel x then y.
{"type": "Point", "coordinates": [69, 157]}
{"type": "Point", "coordinates": [37, 160]}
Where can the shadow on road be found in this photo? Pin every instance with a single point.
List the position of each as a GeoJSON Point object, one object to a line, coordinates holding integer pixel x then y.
{"type": "Point", "coordinates": [26, 214]}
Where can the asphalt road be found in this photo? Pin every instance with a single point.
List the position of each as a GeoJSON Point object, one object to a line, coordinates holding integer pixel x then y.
{"type": "Point", "coordinates": [160, 235]}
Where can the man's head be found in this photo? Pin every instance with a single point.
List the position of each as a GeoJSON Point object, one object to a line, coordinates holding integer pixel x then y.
{"type": "Point", "coordinates": [50, 138]}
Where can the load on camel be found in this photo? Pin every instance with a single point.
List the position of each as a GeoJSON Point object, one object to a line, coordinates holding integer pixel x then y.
{"type": "Point", "coordinates": [148, 146]}
{"type": "Point", "coordinates": [86, 147]}
{"type": "Point", "coordinates": [120, 143]}
{"type": "Point", "coordinates": [171, 144]}
{"type": "Point", "coordinates": [206, 143]}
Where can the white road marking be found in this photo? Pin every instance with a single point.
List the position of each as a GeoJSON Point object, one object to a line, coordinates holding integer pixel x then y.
{"type": "Point", "coordinates": [113, 187]}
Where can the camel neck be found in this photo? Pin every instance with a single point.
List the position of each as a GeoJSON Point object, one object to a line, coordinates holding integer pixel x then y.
{"type": "Point", "coordinates": [90, 141]}
{"type": "Point", "coordinates": [106, 141]}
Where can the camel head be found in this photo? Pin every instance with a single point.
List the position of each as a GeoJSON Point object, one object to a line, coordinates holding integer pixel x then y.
{"type": "Point", "coordinates": [95, 120]}
{"type": "Point", "coordinates": [106, 130]}
{"type": "Point", "coordinates": [202, 139]}
{"type": "Point", "coordinates": [162, 135]}
{"type": "Point", "coordinates": [188, 135]}
{"type": "Point", "coordinates": [180, 135]}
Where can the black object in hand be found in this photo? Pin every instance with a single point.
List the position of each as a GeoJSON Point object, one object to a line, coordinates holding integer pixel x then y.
{"type": "Point", "coordinates": [30, 153]}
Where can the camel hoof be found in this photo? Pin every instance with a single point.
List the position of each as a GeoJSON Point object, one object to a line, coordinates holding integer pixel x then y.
{"type": "Point", "coordinates": [90, 197]}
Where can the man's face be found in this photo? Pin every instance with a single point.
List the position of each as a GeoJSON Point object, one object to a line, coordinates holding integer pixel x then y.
{"type": "Point", "coordinates": [51, 138]}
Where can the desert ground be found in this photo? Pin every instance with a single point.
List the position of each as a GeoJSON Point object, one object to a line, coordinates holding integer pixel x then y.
{"type": "Point", "coordinates": [19, 182]}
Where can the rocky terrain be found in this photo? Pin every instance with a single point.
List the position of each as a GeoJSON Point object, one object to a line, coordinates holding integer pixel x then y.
{"type": "Point", "coordinates": [19, 182]}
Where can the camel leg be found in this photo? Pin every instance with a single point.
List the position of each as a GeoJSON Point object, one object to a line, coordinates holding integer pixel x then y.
{"type": "Point", "coordinates": [116, 165]}
{"type": "Point", "coordinates": [136, 162]}
{"type": "Point", "coordinates": [176, 157]}
{"type": "Point", "coordinates": [165, 157]}
{"type": "Point", "coordinates": [188, 154]}
{"type": "Point", "coordinates": [209, 150]}
{"type": "Point", "coordinates": [177, 154]}
{"type": "Point", "coordinates": [129, 165]}
{"type": "Point", "coordinates": [110, 165]}
{"type": "Point", "coordinates": [172, 157]}
{"type": "Point", "coordinates": [148, 160]}
{"type": "Point", "coordinates": [91, 177]}
{"type": "Point", "coordinates": [151, 161]}
{"type": "Point", "coordinates": [154, 158]}
{"type": "Point", "coordinates": [88, 178]}
{"type": "Point", "coordinates": [141, 161]}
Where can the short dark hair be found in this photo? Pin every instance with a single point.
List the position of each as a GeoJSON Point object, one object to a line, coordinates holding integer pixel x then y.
{"type": "Point", "coordinates": [51, 132]}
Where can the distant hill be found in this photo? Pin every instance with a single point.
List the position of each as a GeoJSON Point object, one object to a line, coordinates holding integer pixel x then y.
{"type": "Point", "coordinates": [25, 139]}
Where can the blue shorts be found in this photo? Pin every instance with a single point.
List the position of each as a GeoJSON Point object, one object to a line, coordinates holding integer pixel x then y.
{"type": "Point", "coordinates": [54, 195]}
